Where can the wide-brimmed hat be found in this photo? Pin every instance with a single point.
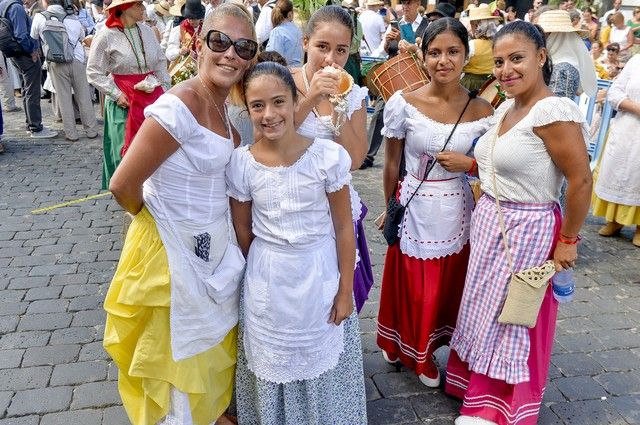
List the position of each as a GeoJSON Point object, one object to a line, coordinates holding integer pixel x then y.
{"type": "Point", "coordinates": [116, 3]}
{"type": "Point", "coordinates": [481, 13]}
{"type": "Point", "coordinates": [193, 9]}
{"type": "Point", "coordinates": [558, 21]}
{"type": "Point", "coordinates": [162, 7]}
{"type": "Point", "coordinates": [176, 9]}
{"type": "Point", "coordinates": [374, 3]}
{"type": "Point", "coordinates": [446, 10]}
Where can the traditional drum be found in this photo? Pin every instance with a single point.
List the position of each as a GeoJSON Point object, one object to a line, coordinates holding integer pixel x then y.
{"type": "Point", "coordinates": [490, 91]}
{"type": "Point", "coordinates": [402, 72]}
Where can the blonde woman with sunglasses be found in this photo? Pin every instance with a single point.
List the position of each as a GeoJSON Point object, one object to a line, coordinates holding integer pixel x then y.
{"type": "Point", "coordinates": [172, 307]}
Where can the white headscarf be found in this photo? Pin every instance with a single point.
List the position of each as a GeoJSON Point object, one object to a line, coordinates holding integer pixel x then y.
{"type": "Point", "coordinates": [568, 47]}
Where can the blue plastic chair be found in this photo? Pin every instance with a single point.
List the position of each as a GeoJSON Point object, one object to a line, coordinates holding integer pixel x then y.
{"type": "Point", "coordinates": [595, 146]}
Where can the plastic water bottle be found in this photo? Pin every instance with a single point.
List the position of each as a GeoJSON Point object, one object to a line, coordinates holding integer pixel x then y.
{"type": "Point", "coordinates": [563, 286]}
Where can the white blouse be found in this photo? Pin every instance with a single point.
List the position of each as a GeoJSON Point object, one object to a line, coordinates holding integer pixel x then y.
{"type": "Point", "coordinates": [187, 197]}
{"type": "Point", "coordinates": [321, 126]}
{"type": "Point", "coordinates": [292, 272]}
{"type": "Point", "coordinates": [525, 171]}
{"type": "Point", "coordinates": [436, 223]}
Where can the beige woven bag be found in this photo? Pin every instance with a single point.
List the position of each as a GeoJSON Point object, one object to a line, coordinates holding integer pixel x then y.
{"type": "Point", "coordinates": [527, 287]}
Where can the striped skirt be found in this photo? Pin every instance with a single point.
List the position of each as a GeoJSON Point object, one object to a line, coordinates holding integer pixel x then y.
{"type": "Point", "coordinates": [500, 371]}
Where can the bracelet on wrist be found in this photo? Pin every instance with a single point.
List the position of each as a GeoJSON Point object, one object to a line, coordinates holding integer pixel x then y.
{"type": "Point", "coordinates": [569, 241]}
{"type": "Point", "coordinates": [474, 167]}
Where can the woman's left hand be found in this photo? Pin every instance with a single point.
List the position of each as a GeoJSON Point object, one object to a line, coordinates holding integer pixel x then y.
{"type": "Point", "coordinates": [565, 256]}
{"type": "Point", "coordinates": [342, 307]}
{"type": "Point", "coordinates": [454, 162]}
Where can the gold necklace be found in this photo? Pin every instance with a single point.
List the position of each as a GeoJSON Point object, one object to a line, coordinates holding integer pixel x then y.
{"type": "Point", "coordinates": [224, 116]}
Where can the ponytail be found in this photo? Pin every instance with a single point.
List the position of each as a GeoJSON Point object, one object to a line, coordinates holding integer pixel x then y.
{"type": "Point", "coordinates": [281, 11]}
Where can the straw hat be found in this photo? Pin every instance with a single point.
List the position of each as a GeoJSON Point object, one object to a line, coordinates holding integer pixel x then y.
{"type": "Point", "coordinates": [116, 3]}
{"type": "Point", "coordinates": [481, 13]}
{"type": "Point", "coordinates": [558, 21]}
{"type": "Point", "coordinates": [162, 7]}
{"type": "Point", "coordinates": [374, 3]}
{"type": "Point", "coordinates": [176, 9]}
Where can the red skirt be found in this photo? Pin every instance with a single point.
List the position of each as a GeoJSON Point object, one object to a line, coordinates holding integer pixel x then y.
{"type": "Point", "coordinates": [419, 305]}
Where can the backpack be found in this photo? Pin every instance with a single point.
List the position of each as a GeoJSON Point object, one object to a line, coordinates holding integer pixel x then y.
{"type": "Point", "coordinates": [8, 44]}
{"type": "Point", "coordinates": [55, 39]}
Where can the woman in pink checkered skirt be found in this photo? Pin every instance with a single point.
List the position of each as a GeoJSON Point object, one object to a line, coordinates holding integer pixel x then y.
{"type": "Point", "coordinates": [500, 370]}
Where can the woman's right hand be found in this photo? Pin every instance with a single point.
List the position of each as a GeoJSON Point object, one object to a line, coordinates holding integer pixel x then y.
{"type": "Point", "coordinates": [323, 84]}
{"type": "Point", "coordinates": [122, 101]}
{"type": "Point", "coordinates": [183, 51]}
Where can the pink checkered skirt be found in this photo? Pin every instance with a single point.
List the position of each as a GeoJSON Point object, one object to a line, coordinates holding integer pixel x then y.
{"type": "Point", "coordinates": [500, 370]}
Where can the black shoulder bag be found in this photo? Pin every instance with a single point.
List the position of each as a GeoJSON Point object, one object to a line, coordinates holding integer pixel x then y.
{"type": "Point", "coordinates": [395, 210]}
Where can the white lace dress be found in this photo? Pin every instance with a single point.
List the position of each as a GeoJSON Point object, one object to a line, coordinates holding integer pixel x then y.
{"type": "Point", "coordinates": [287, 345]}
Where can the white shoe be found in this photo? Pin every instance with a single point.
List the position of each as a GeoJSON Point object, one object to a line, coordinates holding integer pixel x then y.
{"type": "Point", "coordinates": [430, 382]}
{"type": "Point", "coordinates": [472, 420]}
{"type": "Point", "coordinates": [387, 359]}
{"type": "Point", "coordinates": [45, 133]}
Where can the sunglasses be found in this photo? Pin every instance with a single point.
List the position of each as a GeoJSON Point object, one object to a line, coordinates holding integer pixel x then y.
{"type": "Point", "coordinates": [612, 50]}
{"type": "Point", "coordinates": [220, 42]}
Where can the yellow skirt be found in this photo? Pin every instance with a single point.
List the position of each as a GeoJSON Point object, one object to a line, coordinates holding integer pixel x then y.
{"type": "Point", "coordinates": [626, 215]}
{"type": "Point", "coordinates": [137, 337]}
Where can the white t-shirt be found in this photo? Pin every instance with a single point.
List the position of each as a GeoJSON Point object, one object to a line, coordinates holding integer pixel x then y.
{"type": "Point", "coordinates": [75, 30]}
{"type": "Point", "coordinates": [373, 29]}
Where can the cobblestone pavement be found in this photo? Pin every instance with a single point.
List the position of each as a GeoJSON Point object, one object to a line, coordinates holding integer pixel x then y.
{"type": "Point", "coordinates": [55, 269]}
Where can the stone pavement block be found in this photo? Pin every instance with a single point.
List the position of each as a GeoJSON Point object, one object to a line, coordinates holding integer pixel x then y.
{"type": "Point", "coordinates": [24, 378]}
{"type": "Point", "coordinates": [75, 335]}
{"type": "Point", "coordinates": [368, 325]}
{"type": "Point", "coordinates": [12, 295]}
{"type": "Point", "coordinates": [39, 401]}
{"type": "Point", "coordinates": [617, 360]}
{"type": "Point", "coordinates": [592, 412]}
{"type": "Point", "coordinates": [552, 394]}
{"type": "Point", "coordinates": [112, 373]}
{"type": "Point", "coordinates": [24, 339]}
{"type": "Point", "coordinates": [73, 417]}
{"type": "Point", "coordinates": [613, 321]}
{"type": "Point", "coordinates": [47, 306]}
{"type": "Point", "coordinates": [53, 269]}
{"type": "Point", "coordinates": [370, 310]}
{"type": "Point", "coordinates": [50, 355]}
{"type": "Point", "coordinates": [71, 291]}
{"type": "Point", "coordinates": [115, 416]}
{"type": "Point", "coordinates": [89, 318]}
{"type": "Point", "coordinates": [29, 282]}
{"type": "Point", "coordinates": [48, 293]}
{"type": "Point", "coordinates": [580, 388]}
{"type": "Point", "coordinates": [95, 394]}
{"type": "Point", "coordinates": [374, 364]}
{"type": "Point", "coordinates": [628, 407]}
{"type": "Point", "coordinates": [435, 404]}
{"type": "Point", "coordinates": [10, 358]}
{"type": "Point", "coordinates": [390, 411]}
{"type": "Point", "coordinates": [547, 417]}
{"type": "Point", "coordinates": [5, 399]}
{"type": "Point", "coordinates": [53, 249]}
{"type": "Point", "coordinates": [371, 390]}
{"type": "Point", "coordinates": [33, 260]}
{"type": "Point", "coordinates": [582, 343]}
{"type": "Point", "coordinates": [8, 324]}
{"type": "Point", "coordinates": [12, 308]}
{"type": "Point", "coordinates": [70, 279]}
{"type": "Point", "coordinates": [25, 420]}
{"type": "Point", "coordinates": [399, 384]}
{"type": "Point", "coordinates": [91, 302]}
{"type": "Point", "coordinates": [85, 257]}
{"type": "Point", "coordinates": [573, 364]}
{"type": "Point", "coordinates": [369, 344]}
{"type": "Point", "coordinates": [93, 351]}
{"type": "Point", "coordinates": [14, 251]}
{"type": "Point", "coordinates": [618, 338]}
{"type": "Point", "coordinates": [43, 322]}
{"type": "Point", "coordinates": [79, 373]}
{"type": "Point", "coordinates": [620, 383]}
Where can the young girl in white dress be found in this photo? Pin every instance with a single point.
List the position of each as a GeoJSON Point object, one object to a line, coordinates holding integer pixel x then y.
{"type": "Point", "coordinates": [299, 356]}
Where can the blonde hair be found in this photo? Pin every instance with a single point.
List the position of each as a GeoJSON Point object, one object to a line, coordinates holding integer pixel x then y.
{"type": "Point", "coordinates": [236, 95]}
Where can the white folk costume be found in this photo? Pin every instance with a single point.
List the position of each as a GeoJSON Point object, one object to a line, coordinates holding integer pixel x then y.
{"type": "Point", "coordinates": [322, 126]}
{"type": "Point", "coordinates": [292, 277]}
{"type": "Point", "coordinates": [424, 273]}
{"type": "Point", "coordinates": [172, 306]}
{"type": "Point", "coordinates": [499, 370]}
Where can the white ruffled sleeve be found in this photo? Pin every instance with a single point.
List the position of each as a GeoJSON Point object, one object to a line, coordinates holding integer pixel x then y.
{"type": "Point", "coordinates": [617, 92]}
{"type": "Point", "coordinates": [395, 113]}
{"type": "Point", "coordinates": [334, 164]}
{"type": "Point", "coordinates": [173, 116]}
{"type": "Point", "coordinates": [553, 109]}
{"type": "Point", "coordinates": [355, 98]}
{"type": "Point", "coordinates": [236, 173]}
